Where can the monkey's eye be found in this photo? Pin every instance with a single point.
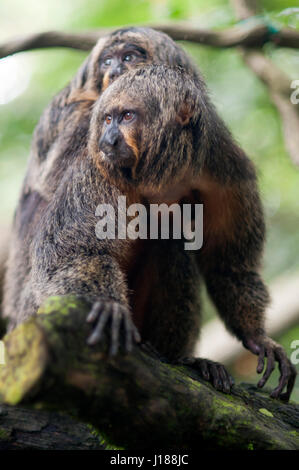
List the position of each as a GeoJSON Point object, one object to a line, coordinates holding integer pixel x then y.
{"type": "Point", "coordinates": [107, 61]}
{"type": "Point", "coordinates": [108, 119]}
{"type": "Point", "coordinates": [128, 57]}
{"type": "Point", "coordinates": [128, 115]}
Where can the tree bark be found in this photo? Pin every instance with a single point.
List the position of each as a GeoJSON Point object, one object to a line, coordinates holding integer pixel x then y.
{"type": "Point", "coordinates": [136, 401]}
{"type": "Point", "coordinates": [28, 429]}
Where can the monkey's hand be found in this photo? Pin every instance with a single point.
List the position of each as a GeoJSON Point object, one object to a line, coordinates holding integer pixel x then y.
{"type": "Point", "coordinates": [118, 318]}
{"type": "Point", "coordinates": [263, 346]}
{"type": "Point", "coordinates": [213, 372]}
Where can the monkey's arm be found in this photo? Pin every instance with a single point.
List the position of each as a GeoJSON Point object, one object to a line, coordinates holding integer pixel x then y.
{"type": "Point", "coordinates": [62, 115]}
{"type": "Point", "coordinates": [59, 137]}
{"type": "Point", "coordinates": [52, 121]}
{"type": "Point", "coordinates": [230, 260]}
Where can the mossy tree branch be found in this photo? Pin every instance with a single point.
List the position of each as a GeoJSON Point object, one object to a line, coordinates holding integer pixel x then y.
{"type": "Point", "coordinates": [137, 401]}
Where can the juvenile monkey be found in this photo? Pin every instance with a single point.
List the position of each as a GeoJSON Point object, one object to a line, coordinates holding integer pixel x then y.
{"type": "Point", "coordinates": [153, 137]}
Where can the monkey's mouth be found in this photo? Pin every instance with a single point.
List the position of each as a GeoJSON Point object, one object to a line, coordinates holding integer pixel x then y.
{"type": "Point", "coordinates": [118, 159]}
{"type": "Point", "coordinates": [127, 173]}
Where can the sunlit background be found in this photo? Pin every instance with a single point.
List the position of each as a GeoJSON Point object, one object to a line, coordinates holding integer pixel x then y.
{"type": "Point", "coordinates": [28, 81]}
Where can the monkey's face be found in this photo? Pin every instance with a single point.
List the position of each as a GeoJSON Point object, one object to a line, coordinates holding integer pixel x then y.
{"type": "Point", "coordinates": [118, 138]}
{"type": "Point", "coordinates": [127, 49]}
{"type": "Point", "coordinates": [142, 127]}
{"type": "Point", "coordinates": [118, 58]}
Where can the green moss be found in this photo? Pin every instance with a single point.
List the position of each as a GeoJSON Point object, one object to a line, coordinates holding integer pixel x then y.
{"type": "Point", "coordinates": [63, 304]}
{"type": "Point", "coordinates": [225, 406]}
{"type": "Point", "coordinates": [4, 435]}
{"type": "Point", "coordinates": [25, 360]}
{"type": "Point", "coordinates": [103, 440]}
{"type": "Point", "coordinates": [15, 394]}
{"type": "Point", "coordinates": [173, 371]}
{"type": "Point", "coordinates": [250, 446]}
{"type": "Point", "coordinates": [266, 412]}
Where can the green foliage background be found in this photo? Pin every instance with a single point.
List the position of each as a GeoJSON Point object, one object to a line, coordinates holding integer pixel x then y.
{"type": "Point", "coordinates": [240, 97]}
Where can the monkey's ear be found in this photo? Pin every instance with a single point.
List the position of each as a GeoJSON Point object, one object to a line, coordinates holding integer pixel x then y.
{"type": "Point", "coordinates": [184, 114]}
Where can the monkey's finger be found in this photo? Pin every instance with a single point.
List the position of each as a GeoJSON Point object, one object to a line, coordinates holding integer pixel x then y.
{"type": "Point", "coordinates": [128, 334]}
{"type": "Point", "coordinates": [94, 312]}
{"type": "Point", "coordinates": [229, 378]}
{"type": "Point", "coordinates": [131, 332]}
{"type": "Point", "coordinates": [136, 335]}
{"type": "Point", "coordinates": [287, 376]}
{"type": "Point", "coordinates": [215, 375]}
{"type": "Point", "coordinates": [97, 332]}
{"type": "Point", "coordinates": [284, 368]}
{"type": "Point", "coordinates": [131, 328]}
{"type": "Point", "coordinates": [286, 396]}
{"type": "Point", "coordinates": [225, 379]}
{"type": "Point", "coordinates": [261, 360]}
{"type": "Point", "coordinates": [116, 319]}
{"type": "Point", "coordinates": [270, 367]}
{"type": "Point", "coordinates": [202, 365]}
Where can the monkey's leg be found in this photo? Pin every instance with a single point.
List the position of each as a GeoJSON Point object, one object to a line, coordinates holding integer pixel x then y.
{"type": "Point", "coordinates": [172, 317]}
{"type": "Point", "coordinates": [172, 313]}
{"type": "Point", "coordinates": [229, 262]}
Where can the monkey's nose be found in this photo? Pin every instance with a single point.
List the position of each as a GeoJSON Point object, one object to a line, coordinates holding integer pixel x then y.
{"type": "Point", "coordinates": [108, 143]}
{"type": "Point", "coordinates": [110, 140]}
{"type": "Point", "coordinates": [106, 148]}
{"type": "Point", "coordinates": [115, 72]}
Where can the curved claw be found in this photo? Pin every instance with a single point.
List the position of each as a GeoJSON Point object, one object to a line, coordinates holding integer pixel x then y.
{"type": "Point", "coordinates": [265, 347]}
{"type": "Point", "coordinates": [287, 376]}
{"type": "Point", "coordinates": [100, 313]}
{"type": "Point", "coordinates": [118, 316]}
{"type": "Point", "coordinates": [270, 367]}
{"type": "Point", "coordinates": [211, 371]}
{"type": "Point", "coordinates": [261, 360]}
